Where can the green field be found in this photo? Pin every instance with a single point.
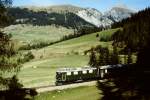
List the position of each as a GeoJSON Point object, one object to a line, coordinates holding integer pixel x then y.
{"type": "Point", "coordinates": [80, 93]}
{"type": "Point", "coordinates": [70, 53]}
{"type": "Point", "coordinates": [76, 45]}
{"type": "Point", "coordinates": [35, 34]}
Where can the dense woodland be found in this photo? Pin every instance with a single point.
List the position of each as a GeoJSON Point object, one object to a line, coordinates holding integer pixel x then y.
{"type": "Point", "coordinates": [135, 35]}
{"type": "Point", "coordinates": [132, 81]}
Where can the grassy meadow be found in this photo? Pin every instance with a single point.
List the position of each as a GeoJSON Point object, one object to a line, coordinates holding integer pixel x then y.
{"type": "Point", "coordinates": [41, 70]}
{"type": "Point", "coordinates": [36, 34]}
{"type": "Point", "coordinates": [80, 93]}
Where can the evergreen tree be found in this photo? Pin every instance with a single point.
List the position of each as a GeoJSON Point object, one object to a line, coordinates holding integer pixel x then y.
{"type": "Point", "coordinates": [101, 60]}
{"type": "Point", "coordinates": [129, 59]}
{"type": "Point", "coordinates": [93, 61]}
{"type": "Point", "coordinates": [107, 56]}
{"type": "Point", "coordinates": [8, 62]}
{"type": "Point", "coordinates": [104, 57]}
{"type": "Point", "coordinates": [115, 56]}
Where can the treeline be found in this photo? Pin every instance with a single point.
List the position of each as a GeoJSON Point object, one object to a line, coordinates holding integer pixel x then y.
{"type": "Point", "coordinates": [81, 32]}
{"type": "Point", "coordinates": [100, 56]}
{"type": "Point", "coordinates": [36, 45]}
{"type": "Point", "coordinates": [135, 35]}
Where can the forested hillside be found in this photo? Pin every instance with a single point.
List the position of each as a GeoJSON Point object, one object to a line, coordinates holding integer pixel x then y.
{"type": "Point", "coordinates": [64, 18]}
{"type": "Point", "coordinates": [132, 81]}
{"type": "Point", "coordinates": [135, 34]}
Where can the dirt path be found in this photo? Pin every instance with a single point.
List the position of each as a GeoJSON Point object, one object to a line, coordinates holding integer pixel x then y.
{"type": "Point", "coordinates": [52, 88]}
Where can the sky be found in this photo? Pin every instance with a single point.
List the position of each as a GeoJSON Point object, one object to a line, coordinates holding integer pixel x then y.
{"type": "Point", "coordinates": [102, 5]}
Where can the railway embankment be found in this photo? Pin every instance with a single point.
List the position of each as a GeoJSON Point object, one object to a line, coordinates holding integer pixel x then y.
{"type": "Point", "coordinates": [52, 88]}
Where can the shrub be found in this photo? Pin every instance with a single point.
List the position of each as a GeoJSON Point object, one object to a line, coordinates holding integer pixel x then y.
{"type": "Point", "coordinates": [97, 35]}
{"type": "Point", "coordinates": [26, 57]}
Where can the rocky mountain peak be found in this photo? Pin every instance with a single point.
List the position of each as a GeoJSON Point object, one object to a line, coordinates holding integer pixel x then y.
{"type": "Point", "coordinates": [118, 13]}
{"type": "Point", "coordinates": [95, 17]}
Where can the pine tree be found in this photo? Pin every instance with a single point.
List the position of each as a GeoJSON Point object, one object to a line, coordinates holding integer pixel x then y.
{"type": "Point", "coordinates": [93, 61]}
{"type": "Point", "coordinates": [129, 59]}
{"type": "Point", "coordinates": [115, 56]}
{"type": "Point", "coordinates": [8, 62]}
{"type": "Point", "coordinates": [104, 57]}
{"type": "Point", "coordinates": [101, 61]}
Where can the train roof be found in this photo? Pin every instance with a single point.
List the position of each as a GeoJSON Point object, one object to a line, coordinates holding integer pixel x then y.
{"type": "Point", "coordinates": [74, 69]}
{"type": "Point", "coordinates": [111, 66]}
{"type": "Point", "coordinates": [105, 67]}
{"type": "Point", "coordinates": [67, 69]}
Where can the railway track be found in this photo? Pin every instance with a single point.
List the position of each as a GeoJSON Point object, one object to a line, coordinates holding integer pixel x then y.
{"type": "Point", "coordinates": [40, 87]}
{"type": "Point", "coordinates": [53, 87]}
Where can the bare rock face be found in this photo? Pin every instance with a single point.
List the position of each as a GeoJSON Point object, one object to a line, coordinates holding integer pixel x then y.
{"type": "Point", "coordinates": [118, 13]}
{"type": "Point", "coordinates": [95, 17]}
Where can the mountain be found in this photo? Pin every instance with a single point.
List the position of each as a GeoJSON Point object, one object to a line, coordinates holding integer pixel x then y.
{"type": "Point", "coordinates": [49, 24]}
{"type": "Point", "coordinates": [56, 8]}
{"type": "Point", "coordinates": [68, 16]}
{"type": "Point", "coordinates": [95, 17]}
{"type": "Point", "coordinates": [116, 14]}
{"type": "Point", "coordinates": [58, 15]}
{"type": "Point", "coordinates": [104, 20]}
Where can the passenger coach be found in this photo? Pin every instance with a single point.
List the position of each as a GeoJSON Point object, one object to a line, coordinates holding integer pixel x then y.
{"type": "Point", "coordinates": [71, 75]}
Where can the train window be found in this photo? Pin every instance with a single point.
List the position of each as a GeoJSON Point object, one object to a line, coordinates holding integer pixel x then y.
{"type": "Point", "coordinates": [84, 72]}
{"type": "Point", "coordinates": [90, 71]}
{"type": "Point", "coordinates": [68, 73]}
{"type": "Point", "coordinates": [75, 73]}
{"type": "Point", "coordinates": [105, 70]}
{"type": "Point", "coordinates": [63, 77]}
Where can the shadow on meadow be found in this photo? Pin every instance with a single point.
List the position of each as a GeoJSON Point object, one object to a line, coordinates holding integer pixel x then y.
{"type": "Point", "coordinates": [128, 83]}
{"type": "Point", "coordinates": [16, 92]}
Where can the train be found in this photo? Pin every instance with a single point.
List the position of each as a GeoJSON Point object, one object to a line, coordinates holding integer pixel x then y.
{"type": "Point", "coordinates": [81, 74]}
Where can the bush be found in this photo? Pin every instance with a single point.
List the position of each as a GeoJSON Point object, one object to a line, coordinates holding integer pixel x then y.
{"type": "Point", "coordinates": [36, 46]}
{"type": "Point", "coordinates": [105, 39]}
{"type": "Point", "coordinates": [26, 57]}
{"type": "Point", "coordinates": [97, 35]}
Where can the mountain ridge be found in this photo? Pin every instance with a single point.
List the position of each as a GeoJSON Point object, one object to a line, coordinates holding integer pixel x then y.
{"type": "Point", "coordinates": [78, 16]}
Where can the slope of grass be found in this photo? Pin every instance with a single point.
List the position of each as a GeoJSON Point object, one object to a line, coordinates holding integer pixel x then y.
{"type": "Point", "coordinates": [80, 93]}
{"type": "Point", "coordinates": [76, 45]}
{"type": "Point", "coordinates": [68, 53]}
{"type": "Point", "coordinates": [36, 34]}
